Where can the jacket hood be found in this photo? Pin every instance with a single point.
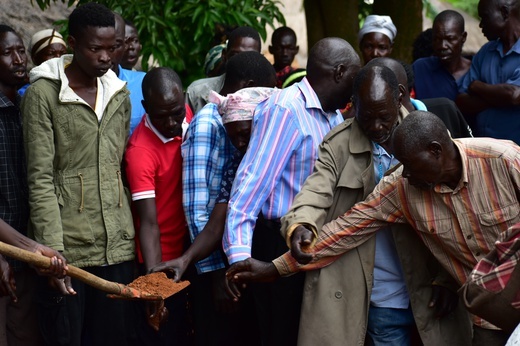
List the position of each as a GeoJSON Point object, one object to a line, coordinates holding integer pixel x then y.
{"type": "Point", "coordinates": [54, 69]}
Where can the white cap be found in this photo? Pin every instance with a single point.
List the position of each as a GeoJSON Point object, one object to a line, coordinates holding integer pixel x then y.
{"type": "Point", "coordinates": [44, 38]}
{"type": "Point", "coordinates": [382, 24]}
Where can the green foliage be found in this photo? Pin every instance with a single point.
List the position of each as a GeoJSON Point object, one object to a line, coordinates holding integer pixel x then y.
{"type": "Point", "coordinates": [178, 33]}
{"type": "Point", "coordinates": [468, 6]}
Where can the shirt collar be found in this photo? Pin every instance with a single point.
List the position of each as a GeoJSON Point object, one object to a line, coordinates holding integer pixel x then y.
{"type": "Point", "coordinates": [464, 178]}
{"type": "Point", "coordinates": [418, 105]}
{"type": "Point", "coordinates": [148, 123]}
{"type": "Point", "coordinates": [311, 99]}
{"type": "Point", "coordinates": [6, 102]}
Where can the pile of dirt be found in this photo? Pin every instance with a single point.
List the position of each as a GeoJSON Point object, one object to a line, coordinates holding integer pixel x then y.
{"type": "Point", "coordinates": [158, 284]}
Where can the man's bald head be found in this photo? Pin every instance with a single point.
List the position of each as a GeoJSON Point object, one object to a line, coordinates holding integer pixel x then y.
{"type": "Point", "coordinates": [160, 80]}
{"type": "Point", "coordinates": [417, 131]}
{"type": "Point", "coordinates": [331, 68]}
{"type": "Point", "coordinates": [393, 65]}
{"type": "Point", "coordinates": [330, 52]}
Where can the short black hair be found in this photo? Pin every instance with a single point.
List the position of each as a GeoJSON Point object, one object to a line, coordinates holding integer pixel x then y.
{"type": "Point", "coordinates": [250, 66]}
{"type": "Point", "coordinates": [447, 15]}
{"type": "Point", "coordinates": [160, 80]}
{"type": "Point", "coordinates": [410, 76]}
{"type": "Point", "coordinates": [280, 32]}
{"type": "Point", "coordinates": [422, 45]}
{"type": "Point", "coordinates": [89, 14]}
{"type": "Point", "coordinates": [6, 28]}
{"type": "Point", "coordinates": [244, 31]}
{"type": "Point", "coordinates": [369, 72]}
{"type": "Point", "coordinates": [417, 131]}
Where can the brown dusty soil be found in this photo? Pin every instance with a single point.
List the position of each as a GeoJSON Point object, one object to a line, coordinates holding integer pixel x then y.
{"type": "Point", "coordinates": [158, 284]}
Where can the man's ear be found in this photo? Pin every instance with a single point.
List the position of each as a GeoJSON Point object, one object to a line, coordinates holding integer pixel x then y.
{"type": "Point", "coordinates": [402, 91]}
{"type": "Point", "coordinates": [339, 72]}
{"type": "Point", "coordinates": [71, 41]}
{"type": "Point", "coordinates": [464, 37]}
{"type": "Point", "coordinates": [271, 50]}
{"type": "Point", "coordinates": [435, 149]}
{"type": "Point", "coordinates": [505, 12]}
{"type": "Point", "coordinates": [297, 49]}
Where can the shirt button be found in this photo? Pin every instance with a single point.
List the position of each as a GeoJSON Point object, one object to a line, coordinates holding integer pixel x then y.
{"type": "Point", "coordinates": [338, 295]}
{"type": "Point", "coordinates": [477, 253]}
{"type": "Point", "coordinates": [432, 230]}
{"type": "Point", "coordinates": [468, 236]}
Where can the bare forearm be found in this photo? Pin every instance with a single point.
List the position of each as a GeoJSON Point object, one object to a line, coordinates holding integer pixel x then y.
{"type": "Point", "coordinates": [149, 237]}
{"type": "Point", "coordinates": [10, 236]}
{"type": "Point", "coordinates": [496, 95]}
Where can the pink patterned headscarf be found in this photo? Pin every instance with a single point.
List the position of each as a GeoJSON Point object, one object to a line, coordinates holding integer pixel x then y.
{"type": "Point", "coordinates": [240, 105]}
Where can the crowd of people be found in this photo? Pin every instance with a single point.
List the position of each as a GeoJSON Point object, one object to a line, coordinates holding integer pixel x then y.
{"type": "Point", "coordinates": [344, 203]}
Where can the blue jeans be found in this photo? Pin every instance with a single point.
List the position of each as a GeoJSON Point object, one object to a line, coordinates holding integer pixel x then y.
{"type": "Point", "coordinates": [389, 327]}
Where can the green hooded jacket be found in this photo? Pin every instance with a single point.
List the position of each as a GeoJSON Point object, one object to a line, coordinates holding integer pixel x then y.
{"type": "Point", "coordinates": [77, 200]}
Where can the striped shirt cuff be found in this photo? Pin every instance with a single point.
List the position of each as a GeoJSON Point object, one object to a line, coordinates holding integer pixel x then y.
{"type": "Point", "coordinates": [286, 264]}
{"type": "Point", "coordinates": [238, 253]}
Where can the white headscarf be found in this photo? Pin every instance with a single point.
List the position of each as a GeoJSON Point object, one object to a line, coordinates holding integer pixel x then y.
{"type": "Point", "coordinates": [375, 23]}
{"type": "Point", "coordinates": [240, 105]}
{"type": "Point", "coordinates": [44, 38]}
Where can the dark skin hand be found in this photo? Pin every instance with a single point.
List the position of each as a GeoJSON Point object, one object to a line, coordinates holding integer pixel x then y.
{"type": "Point", "coordinates": [249, 270]}
{"type": "Point", "coordinates": [443, 300]}
{"type": "Point", "coordinates": [7, 284]}
{"type": "Point", "coordinates": [149, 233]}
{"type": "Point", "coordinates": [301, 240]}
{"type": "Point", "coordinates": [223, 301]}
{"type": "Point", "coordinates": [206, 242]}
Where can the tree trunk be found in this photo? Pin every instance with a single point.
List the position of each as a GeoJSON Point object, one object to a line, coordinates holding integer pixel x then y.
{"type": "Point", "coordinates": [329, 18]}
{"type": "Point", "coordinates": [407, 17]}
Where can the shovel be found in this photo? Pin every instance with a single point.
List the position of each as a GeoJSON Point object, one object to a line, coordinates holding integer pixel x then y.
{"type": "Point", "coordinates": [115, 290]}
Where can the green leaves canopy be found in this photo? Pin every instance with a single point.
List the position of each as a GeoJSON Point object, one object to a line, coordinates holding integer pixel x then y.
{"type": "Point", "coordinates": [178, 33]}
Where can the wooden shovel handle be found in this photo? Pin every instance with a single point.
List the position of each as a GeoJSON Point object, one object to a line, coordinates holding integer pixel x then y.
{"type": "Point", "coordinates": [75, 272]}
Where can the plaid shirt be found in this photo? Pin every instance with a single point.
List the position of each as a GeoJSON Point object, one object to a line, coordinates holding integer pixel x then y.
{"type": "Point", "coordinates": [205, 153]}
{"type": "Point", "coordinates": [14, 207]}
{"type": "Point", "coordinates": [459, 226]}
{"type": "Point", "coordinates": [494, 274]}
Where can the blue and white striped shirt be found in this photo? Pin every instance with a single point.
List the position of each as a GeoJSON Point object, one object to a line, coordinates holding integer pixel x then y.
{"type": "Point", "coordinates": [287, 130]}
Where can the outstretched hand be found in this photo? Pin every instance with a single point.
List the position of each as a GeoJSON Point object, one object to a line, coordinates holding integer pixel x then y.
{"type": "Point", "coordinates": [301, 240]}
{"type": "Point", "coordinates": [249, 270]}
{"type": "Point", "coordinates": [443, 300]}
{"type": "Point", "coordinates": [176, 267]}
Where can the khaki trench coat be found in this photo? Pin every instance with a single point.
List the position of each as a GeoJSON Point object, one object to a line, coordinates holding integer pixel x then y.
{"type": "Point", "coordinates": [336, 298]}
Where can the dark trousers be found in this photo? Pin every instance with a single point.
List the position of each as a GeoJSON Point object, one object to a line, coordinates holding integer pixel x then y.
{"type": "Point", "coordinates": [213, 327]}
{"type": "Point", "coordinates": [19, 321]}
{"type": "Point", "coordinates": [89, 317]}
{"type": "Point", "coordinates": [278, 303]}
{"type": "Point", "coordinates": [175, 331]}
{"type": "Point", "coordinates": [489, 337]}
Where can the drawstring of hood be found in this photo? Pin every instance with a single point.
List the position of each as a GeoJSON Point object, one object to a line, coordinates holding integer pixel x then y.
{"type": "Point", "coordinates": [121, 188]}
{"type": "Point", "coordinates": [81, 205]}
